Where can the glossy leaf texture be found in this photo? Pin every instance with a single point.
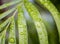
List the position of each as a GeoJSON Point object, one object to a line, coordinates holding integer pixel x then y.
{"type": "Point", "coordinates": [52, 9]}
{"type": "Point", "coordinates": [26, 24]}
{"type": "Point", "coordinates": [41, 30]}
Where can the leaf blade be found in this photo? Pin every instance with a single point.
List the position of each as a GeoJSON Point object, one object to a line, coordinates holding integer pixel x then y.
{"type": "Point", "coordinates": [8, 4]}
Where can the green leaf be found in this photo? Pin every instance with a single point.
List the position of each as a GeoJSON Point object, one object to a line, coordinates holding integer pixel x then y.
{"type": "Point", "coordinates": [6, 13]}
{"type": "Point", "coordinates": [22, 27]}
{"type": "Point", "coordinates": [52, 9]}
{"type": "Point", "coordinates": [3, 35]}
{"type": "Point", "coordinates": [9, 4]}
{"type": "Point", "coordinates": [40, 27]}
{"type": "Point", "coordinates": [6, 22]}
{"type": "Point", "coordinates": [12, 38]}
{"type": "Point", "coordinates": [50, 25]}
{"type": "Point", "coordinates": [33, 35]}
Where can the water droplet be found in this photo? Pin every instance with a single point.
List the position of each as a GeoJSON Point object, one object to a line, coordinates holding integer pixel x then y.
{"type": "Point", "coordinates": [38, 24]}
{"type": "Point", "coordinates": [21, 33]}
{"type": "Point", "coordinates": [11, 40]}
